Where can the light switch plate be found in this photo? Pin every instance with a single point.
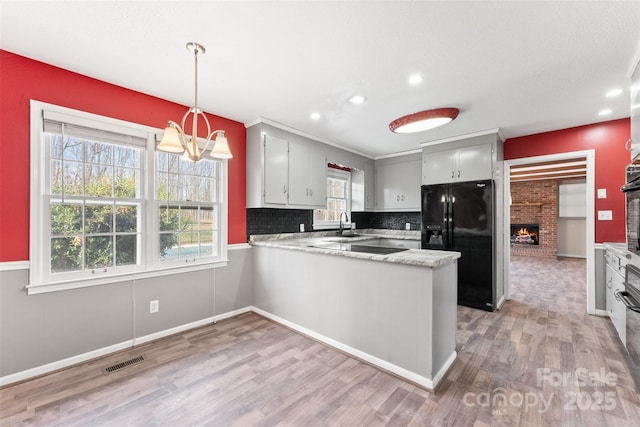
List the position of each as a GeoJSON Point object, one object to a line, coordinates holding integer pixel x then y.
{"type": "Point", "coordinates": [602, 193]}
{"type": "Point", "coordinates": [605, 216]}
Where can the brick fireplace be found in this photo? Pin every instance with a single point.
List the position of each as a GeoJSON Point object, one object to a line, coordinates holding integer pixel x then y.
{"type": "Point", "coordinates": [536, 202]}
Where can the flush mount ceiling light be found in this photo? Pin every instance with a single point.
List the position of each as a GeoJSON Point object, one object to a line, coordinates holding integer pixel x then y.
{"type": "Point", "coordinates": [423, 120]}
{"type": "Point", "coordinates": [174, 139]}
{"type": "Point", "coordinates": [415, 79]}
{"type": "Point", "coordinates": [357, 99]}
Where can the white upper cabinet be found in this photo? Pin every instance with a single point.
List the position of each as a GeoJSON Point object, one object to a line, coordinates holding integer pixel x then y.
{"type": "Point", "coordinates": [307, 175]}
{"type": "Point", "coordinates": [285, 171]}
{"type": "Point", "coordinates": [457, 165]}
{"type": "Point", "coordinates": [276, 170]}
{"type": "Point", "coordinates": [398, 185]}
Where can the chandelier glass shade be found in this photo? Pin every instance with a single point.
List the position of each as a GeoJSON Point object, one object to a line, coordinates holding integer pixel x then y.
{"type": "Point", "coordinates": [175, 140]}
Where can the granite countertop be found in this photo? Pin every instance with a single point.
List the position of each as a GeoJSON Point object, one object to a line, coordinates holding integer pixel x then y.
{"type": "Point", "coordinates": [304, 241]}
{"type": "Point", "coordinates": [620, 249]}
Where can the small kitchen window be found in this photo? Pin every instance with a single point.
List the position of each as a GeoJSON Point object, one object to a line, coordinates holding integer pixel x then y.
{"type": "Point", "coordinates": [338, 199]}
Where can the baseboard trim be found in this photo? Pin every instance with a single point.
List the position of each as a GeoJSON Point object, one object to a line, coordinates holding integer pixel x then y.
{"type": "Point", "coordinates": [64, 363]}
{"type": "Point", "coordinates": [422, 381]}
{"type": "Point", "coordinates": [501, 301]}
{"type": "Point", "coordinates": [80, 358]}
{"type": "Point", "coordinates": [602, 313]}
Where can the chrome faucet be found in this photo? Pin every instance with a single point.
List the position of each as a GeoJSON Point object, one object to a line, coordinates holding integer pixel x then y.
{"type": "Point", "coordinates": [341, 229]}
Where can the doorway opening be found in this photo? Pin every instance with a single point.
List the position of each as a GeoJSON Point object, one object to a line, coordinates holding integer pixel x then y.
{"type": "Point", "coordinates": [530, 205]}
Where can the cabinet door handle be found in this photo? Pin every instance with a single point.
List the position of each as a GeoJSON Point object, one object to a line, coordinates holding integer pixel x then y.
{"type": "Point", "coordinates": [458, 174]}
{"type": "Point", "coordinates": [397, 198]}
{"type": "Point", "coordinates": [311, 191]}
{"type": "Point", "coordinates": [452, 174]}
{"type": "Point", "coordinates": [402, 198]}
{"type": "Point", "coordinates": [284, 189]}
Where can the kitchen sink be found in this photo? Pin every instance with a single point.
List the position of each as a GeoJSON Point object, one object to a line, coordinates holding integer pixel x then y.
{"type": "Point", "coordinates": [352, 247]}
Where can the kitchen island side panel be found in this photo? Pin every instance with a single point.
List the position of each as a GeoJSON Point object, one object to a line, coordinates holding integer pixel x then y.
{"type": "Point", "coordinates": [382, 309]}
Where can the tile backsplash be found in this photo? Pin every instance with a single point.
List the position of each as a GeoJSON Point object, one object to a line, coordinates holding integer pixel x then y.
{"type": "Point", "coordinates": [272, 221]}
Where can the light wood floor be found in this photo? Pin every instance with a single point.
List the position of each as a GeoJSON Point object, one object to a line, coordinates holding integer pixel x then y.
{"type": "Point", "coordinates": [249, 371]}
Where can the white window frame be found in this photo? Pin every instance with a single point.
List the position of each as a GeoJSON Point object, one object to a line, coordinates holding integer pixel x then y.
{"type": "Point", "coordinates": [326, 225]}
{"type": "Point", "coordinates": [149, 265]}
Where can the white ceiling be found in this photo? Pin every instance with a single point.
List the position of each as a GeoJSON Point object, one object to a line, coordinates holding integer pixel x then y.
{"type": "Point", "coordinates": [523, 67]}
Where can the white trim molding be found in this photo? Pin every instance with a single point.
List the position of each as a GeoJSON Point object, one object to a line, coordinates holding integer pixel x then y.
{"type": "Point", "coordinates": [428, 383]}
{"type": "Point", "coordinates": [590, 219]}
{"type": "Point", "coordinates": [14, 265]}
{"type": "Point", "coordinates": [80, 358]}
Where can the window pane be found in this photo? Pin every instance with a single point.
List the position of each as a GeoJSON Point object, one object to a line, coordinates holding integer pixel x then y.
{"type": "Point", "coordinates": [66, 219]}
{"type": "Point", "coordinates": [56, 145]}
{"type": "Point", "coordinates": [168, 246]}
{"type": "Point", "coordinates": [169, 218]}
{"type": "Point", "coordinates": [205, 190]}
{"type": "Point", "coordinates": [72, 149]}
{"type": "Point", "coordinates": [66, 254]}
{"type": "Point", "coordinates": [162, 161]}
{"type": "Point", "coordinates": [126, 219]}
{"type": "Point", "coordinates": [206, 168]}
{"type": "Point", "coordinates": [55, 178]}
{"type": "Point", "coordinates": [98, 219]}
{"type": "Point", "coordinates": [125, 156]}
{"type": "Point", "coordinates": [206, 219]}
{"type": "Point", "coordinates": [99, 252]}
{"type": "Point", "coordinates": [126, 183]}
{"type": "Point", "coordinates": [163, 187]}
{"type": "Point", "coordinates": [189, 245]}
{"type": "Point", "coordinates": [174, 184]}
{"type": "Point", "coordinates": [189, 218]}
{"type": "Point", "coordinates": [72, 177]}
{"type": "Point", "coordinates": [208, 247]}
{"type": "Point", "coordinates": [172, 163]}
{"type": "Point", "coordinates": [98, 181]}
{"type": "Point", "coordinates": [98, 153]}
{"type": "Point", "coordinates": [126, 249]}
{"type": "Point", "coordinates": [190, 188]}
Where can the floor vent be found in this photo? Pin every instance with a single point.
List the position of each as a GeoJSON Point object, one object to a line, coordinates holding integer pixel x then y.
{"type": "Point", "coordinates": [121, 365]}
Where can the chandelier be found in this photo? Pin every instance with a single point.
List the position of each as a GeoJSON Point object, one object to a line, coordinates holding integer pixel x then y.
{"type": "Point", "coordinates": [174, 139]}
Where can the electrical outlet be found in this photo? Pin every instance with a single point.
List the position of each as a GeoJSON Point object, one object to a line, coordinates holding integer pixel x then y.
{"type": "Point", "coordinates": [302, 228]}
{"type": "Point", "coordinates": [154, 306]}
{"type": "Point", "coordinates": [407, 226]}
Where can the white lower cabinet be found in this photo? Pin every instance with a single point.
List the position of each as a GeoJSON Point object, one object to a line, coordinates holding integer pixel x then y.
{"type": "Point", "coordinates": [616, 309]}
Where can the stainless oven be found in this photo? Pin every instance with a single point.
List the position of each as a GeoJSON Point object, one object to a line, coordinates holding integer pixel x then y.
{"type": "Point", "coordinates": [631, 299]}
{"type": "Point", "coordinates": [632, 195]}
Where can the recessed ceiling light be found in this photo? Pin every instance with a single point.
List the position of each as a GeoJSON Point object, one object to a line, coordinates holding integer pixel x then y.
{"type": "Point", "coordinates": [357, 99]}
{"type": "Point", "coordinates": [423, 120]}
{"type": "Point", "coordinates": [605, 112]}
{"type": "Point", "coordinates": [415, 79]}
{"type": "Point", "coordinates": [613, 93]}
{"type": "Point", "coordinates": [315, 116]}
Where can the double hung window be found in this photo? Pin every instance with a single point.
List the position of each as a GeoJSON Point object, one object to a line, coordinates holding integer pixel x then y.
{"type": "Point", "coordinates": [338, 199]}
{"type": "Point", "coordinates": [104, 203]}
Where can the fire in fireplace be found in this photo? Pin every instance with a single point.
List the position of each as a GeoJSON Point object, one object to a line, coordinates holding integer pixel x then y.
{"type": "Point", "coordinates": [525, 234]}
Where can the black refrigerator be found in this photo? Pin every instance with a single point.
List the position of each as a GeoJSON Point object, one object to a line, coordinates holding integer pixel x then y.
{"type": "Point", "coordinates": [460, 217]}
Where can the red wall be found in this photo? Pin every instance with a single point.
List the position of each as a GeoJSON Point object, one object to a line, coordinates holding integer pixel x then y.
{"type": "Point", "coordinates": [22, 79]}
{"type": "Point", "coordinates": [608, 140]}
